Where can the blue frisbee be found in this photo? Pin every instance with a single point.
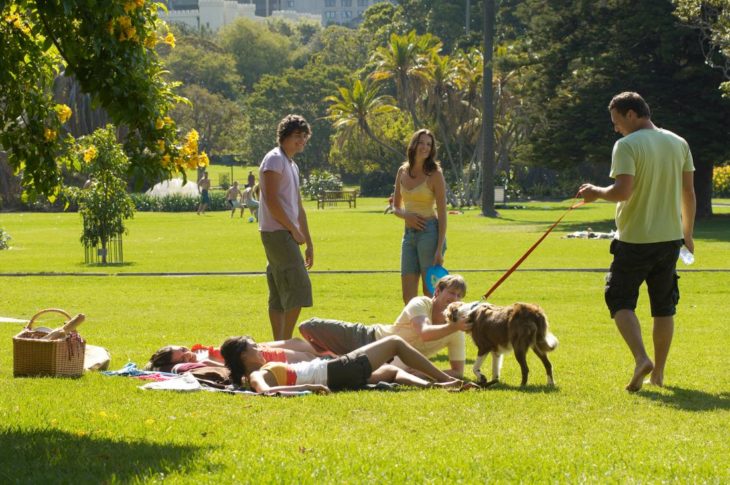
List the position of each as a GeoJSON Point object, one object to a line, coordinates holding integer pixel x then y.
{"type": "Point", "coordinates": [433, 275]}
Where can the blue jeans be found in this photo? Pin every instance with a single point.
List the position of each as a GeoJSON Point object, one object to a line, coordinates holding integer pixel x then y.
{"type": "Point", "coordinates": [419, 247]}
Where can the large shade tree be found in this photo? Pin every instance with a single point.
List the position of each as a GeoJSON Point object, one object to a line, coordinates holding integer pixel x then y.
{"type": "Point", "coordinates": [110, 50]}
{"type": "Point", "coordinates": [585, 53]}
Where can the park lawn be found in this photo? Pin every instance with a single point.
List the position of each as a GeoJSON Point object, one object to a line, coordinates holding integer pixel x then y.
{"type": "Point", "coordinates": [104, 429]}
{"type": "Point", "coordinates": [361, 239]}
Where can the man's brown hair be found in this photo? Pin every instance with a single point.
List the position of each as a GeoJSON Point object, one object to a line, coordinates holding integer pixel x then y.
{"type": "Point", "coordinates": [629, 100]}
{"type": "Point", "coordinates": [292, 124]}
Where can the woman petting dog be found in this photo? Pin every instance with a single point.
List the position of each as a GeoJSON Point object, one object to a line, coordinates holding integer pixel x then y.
{"type": "Point", "coordinates": [366, 365]}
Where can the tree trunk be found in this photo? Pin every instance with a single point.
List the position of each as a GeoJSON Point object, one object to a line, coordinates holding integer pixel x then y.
{"type": "Point", "coordinates": [488, 113]}
{"type": "Point", "coordinates": [703, 189]}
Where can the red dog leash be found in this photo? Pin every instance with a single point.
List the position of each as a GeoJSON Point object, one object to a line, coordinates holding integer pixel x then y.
{"type": "Point", "coordinates": [532, 248]}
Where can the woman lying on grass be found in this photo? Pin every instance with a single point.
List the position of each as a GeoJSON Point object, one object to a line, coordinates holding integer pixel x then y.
{"type": "Point", "coordinates": [366, 365]}
{"type": "Point", "coordinates": [175, 358]}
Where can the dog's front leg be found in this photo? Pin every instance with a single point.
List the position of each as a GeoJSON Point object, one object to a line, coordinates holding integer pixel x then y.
{"type": "Point", "coordinates": [497, 359]}
{"type": "Point", "coordinates": [477, 368]}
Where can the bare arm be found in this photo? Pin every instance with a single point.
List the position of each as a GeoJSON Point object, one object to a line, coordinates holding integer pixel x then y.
{"type": "Point", "coordinates": [271, 181]}
{"type": "Point", "coordinates": [258, 381]}
{"type": "Point", "coordinates": [304, 225]}
{"type": "Point", "coordinates": [428, 331]}
{"type": "Point", "coordinates": [689, 209]}
{"type": "Point", "coordinates": [439, 190]}
{"type": "Point", "coordinates": [620, 191]}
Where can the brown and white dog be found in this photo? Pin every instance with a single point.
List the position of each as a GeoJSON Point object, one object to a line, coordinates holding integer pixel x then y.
{"type": "Point", "coordinates": [500, 329]}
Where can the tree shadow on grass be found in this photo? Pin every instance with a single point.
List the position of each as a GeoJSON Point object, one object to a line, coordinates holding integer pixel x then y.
{"type": "Point", "coordinates": [54, 456]}
{"type": "Point", "coordinates": [688, 399]}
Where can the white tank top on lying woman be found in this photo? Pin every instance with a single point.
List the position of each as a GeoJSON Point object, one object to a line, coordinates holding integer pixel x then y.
{"type": "Point", "coordinates": [311, 372]}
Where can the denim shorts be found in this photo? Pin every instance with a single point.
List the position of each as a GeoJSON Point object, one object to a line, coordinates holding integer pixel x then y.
{"type": "Point", "coordinates": [419, 247]}
{"type": "Point", "coordinates": [633, 264]}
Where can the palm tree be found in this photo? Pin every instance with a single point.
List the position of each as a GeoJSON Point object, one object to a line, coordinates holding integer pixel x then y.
{"type": "Point", "coordinates": [405, 60]}
{"type": "Point", "coordinates": [352, 111]}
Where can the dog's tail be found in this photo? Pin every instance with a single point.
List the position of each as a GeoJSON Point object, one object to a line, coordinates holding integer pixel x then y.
{"type": "Point", "coordinates": [545, 340]}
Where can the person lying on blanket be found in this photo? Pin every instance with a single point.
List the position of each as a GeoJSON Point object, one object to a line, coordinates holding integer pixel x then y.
{"type": "Point", "coordinates": [366, 365]}
{"type": "Point", "coordinates": [178, 359]}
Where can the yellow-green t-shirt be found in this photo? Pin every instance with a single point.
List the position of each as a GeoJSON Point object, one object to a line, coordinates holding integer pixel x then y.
{"type": "Point", "coordinates": [656, 158]}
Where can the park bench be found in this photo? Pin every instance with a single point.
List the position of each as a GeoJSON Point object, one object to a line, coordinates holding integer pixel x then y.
{"type": "Point", "coordinates": [499, 194]}
{"type": "Point", "coordinates": [332, 197]}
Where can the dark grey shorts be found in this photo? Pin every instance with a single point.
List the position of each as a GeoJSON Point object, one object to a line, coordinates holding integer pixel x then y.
{"type": "Point", "coordinates": [288, 279]}
{"type": "Point", "coordinates": [350, 371]}
{"type": "Point", "coordinates": [336, 336]}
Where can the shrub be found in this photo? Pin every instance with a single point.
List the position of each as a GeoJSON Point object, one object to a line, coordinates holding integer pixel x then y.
{"type": "Point", "coordinates": [177, 202]}
{"type": "Point", "coordinates": [377, 184]}
{"type": "Point", "coordinates": [320, 180]}
{"type": "Point", "coordinates": [4, 239]}
{"type": "Point", "coordinates": [224, 181]}
{"type": "Point", "coordinates": [721, 181]}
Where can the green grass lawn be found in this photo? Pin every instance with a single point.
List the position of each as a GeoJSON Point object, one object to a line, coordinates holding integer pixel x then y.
{"type": "Point", "coordinates": [234, 173]}
{"type": "Point", "coordinates": [587, 429]}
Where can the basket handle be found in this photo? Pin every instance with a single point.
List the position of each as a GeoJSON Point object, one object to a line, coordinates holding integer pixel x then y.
{"type": "Point", "coordinates": [47, 310]}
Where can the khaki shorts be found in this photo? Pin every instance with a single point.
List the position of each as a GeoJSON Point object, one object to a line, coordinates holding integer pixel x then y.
{"type": "Point", "coordinates": [336, 336]}
{"type": "Point", "coordinates": [288, 279]}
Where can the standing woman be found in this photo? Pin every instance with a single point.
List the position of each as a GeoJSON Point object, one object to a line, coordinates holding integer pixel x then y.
{"type": "Point", "coordinates": [419, 186]}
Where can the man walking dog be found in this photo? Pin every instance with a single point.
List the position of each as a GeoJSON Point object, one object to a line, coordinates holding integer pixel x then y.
{"type": "Point", "coordinates": [655, 212]}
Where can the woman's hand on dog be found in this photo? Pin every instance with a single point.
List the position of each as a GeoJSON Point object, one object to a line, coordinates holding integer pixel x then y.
{"type": "Point", "coordinates": [461, 324]}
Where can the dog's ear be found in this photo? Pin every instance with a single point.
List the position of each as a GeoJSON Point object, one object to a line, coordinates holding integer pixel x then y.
{"type": "Point", "coordinates": [451, 313]}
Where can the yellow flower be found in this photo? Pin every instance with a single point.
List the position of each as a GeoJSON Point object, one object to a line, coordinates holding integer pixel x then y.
{"type": "Point", "coordinates": [49, 134]}
{"type": "Point", "coordinates": [168, 121]}
{"type": "Point", "coordinates": [151, 41]}
{"type": "Point", "coordinates": [166, 160]}
{"type": "Point", "coordinates": [159, 124]}
{"type": "Point", "coordinates": [63, 112]}
{"type": "Point", "coordinates": [140, 3]}
{"type": "Point", "coordinates": [130, 6]}
{"type": "Point", "coordinates": [203, 160]}
{"type": "Point", "coordinates": [161, 145]}
{"type": "Point", "coordinates": [90, 154]}
{"type": "Point", "coordinates": [170, 39]}
{"type": "Point", "coordinates": [124, 22]}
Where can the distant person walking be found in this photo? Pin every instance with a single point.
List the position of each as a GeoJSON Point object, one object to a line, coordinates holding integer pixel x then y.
{"type": "Point", "coordinates": [419, 199]}
{"type": "Point", "coordinates": [283, 226]}
{"type": "Point", "coordinates": [203, 189]}
{"type": "Point", "coordinates": [232, 195]}
{"type": "Point", "coordinates": [248, 200]}
{"type": "Point", "coordinates": [655, 212]}
{"type": "Point", "coordinates": [251, 179]}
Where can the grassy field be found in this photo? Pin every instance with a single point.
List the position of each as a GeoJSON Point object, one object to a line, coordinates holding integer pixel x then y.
{"type": "Point", "coordinates": [234, 173]}
{"type": "Point", "coordinates": [587, 429]}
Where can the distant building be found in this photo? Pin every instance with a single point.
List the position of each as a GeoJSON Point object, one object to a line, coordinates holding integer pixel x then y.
{"type": "Point", "coordinates": [214, 14]}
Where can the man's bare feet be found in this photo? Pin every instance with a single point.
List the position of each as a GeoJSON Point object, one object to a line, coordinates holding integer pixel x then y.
{"type": "Point", "coordinates": [656, 379]}
{"type": "Point", "coordinates": [640, 372]}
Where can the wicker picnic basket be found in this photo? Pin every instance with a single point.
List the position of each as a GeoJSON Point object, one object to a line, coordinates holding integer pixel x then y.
{"type": "Point", "coordinates": [34, 356]}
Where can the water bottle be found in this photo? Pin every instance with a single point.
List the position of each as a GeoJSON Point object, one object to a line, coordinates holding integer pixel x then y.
{"type": "Point", "coordinates": [686, 256]}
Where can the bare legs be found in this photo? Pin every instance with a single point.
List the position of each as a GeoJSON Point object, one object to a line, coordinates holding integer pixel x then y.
{"type": "Point", "coordinates": [381, 351]}
{"type": "Point", "coordinates": [663, 333]}
{"type": "Point", "coordinates": [409, 286]}
{"type": "Point", "coordinates": [630, 329]}
{"type": "Point", "coordinates": [282, 323]}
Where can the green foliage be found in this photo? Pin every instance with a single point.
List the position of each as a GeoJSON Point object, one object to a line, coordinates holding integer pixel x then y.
{"type": "Point", "coordinates": [4, 239]}
{"type": "Point", "coordinates": [298, 91]}
{"type": "Point", "coordinates": [377, 184]}
{"type": "Point", "coordinates": [256, 49]}
{"type": "Point", "coordinates": [104, 204]}
{"type": "Point", "coordinates": [225, 181]}
{"type": "Point", "coordinates": [205, 64]}
{"type": "Point", "coordinates": [221, 122]}
{"type": "Point", "coordinates": [711, 18]}
{"type": "Point", "coordinates": [318, 181]}
{"type": "Point", "coordinates": [110, 51]}
{"type": "Point", "coordinates": [340, 46]}
{"type": "Point", "coordinates": [176, 202]}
